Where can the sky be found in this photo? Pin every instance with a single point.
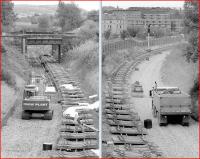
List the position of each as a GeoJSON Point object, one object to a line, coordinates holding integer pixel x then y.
{"type": "Point", "coordinates": [87, 5]}
{"type": "Point", "coordinates": [127, 4]}
{"type": "Point", "coordinates": [94, 5]}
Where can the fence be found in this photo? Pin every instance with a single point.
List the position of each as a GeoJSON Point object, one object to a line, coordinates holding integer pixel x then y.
{"type": "Point", "coordinates": [130, 43]}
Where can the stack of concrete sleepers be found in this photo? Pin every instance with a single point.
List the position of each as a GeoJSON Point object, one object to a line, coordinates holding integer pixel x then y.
{"type": "Point", "coordinates": [77, 138]}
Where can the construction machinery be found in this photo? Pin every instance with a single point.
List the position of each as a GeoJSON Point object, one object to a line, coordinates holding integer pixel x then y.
{"type": "Point", "coordinates": [35, 103]}
{"type": "Point", "coordinates": [136, 89]}
{"type": "Point", "coordinates": [170, 102]}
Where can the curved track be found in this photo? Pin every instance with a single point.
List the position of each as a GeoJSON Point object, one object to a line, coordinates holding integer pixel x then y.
{"type": "Point", "coordinates": [124, 135]}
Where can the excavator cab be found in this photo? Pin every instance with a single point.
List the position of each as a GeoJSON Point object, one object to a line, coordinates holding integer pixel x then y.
{"type": "Point", "coordinates": [30, 91]}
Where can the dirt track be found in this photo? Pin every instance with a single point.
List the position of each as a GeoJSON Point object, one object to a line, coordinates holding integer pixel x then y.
{"type": "Point", "coordinates": [25, 138]}
{"type": "Point", "coordinates": [174, 140]}
{"type": "Point", "coordinates": [21, 138]}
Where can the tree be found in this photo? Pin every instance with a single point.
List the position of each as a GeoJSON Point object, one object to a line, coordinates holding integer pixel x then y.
{"type": "Point", "coordinates": [88, 30]}
{"type": "Point", "coordinates": [132, 31]}
{"type": "Point", "coordinates": [93, 15]}
{"type": "Point", "coordinates": [191, 26]}
{"type": "Point", "coordinates": [69, 16]}
{"type": "Point", "coordinates": [157, 32]}
{"type": "Point", "coordinates": [123, 34]}
{"type": "Point", "coordinates": [8, 15]}
{"type": "Point", "coordinates": [43, 23]}
{"type": "Point", "coordinates": [141, 33]}
{"type": "Point", "coordinates": [107, 34]}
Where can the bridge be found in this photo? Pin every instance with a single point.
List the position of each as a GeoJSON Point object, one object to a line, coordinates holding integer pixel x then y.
{"type": "Point", "coordinates": [41, 38]}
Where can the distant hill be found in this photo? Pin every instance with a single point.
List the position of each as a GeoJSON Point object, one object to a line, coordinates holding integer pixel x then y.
{"type": "Point", "coordinates": [28, 10]}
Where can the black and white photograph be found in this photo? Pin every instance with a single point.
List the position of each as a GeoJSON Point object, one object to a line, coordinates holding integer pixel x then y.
{"type": "Point", "coordinates": [150, 79]}
{"type": "Point", "coordinates": [50, 79]}
{"type": "Point", "coordinates": [99, 79]}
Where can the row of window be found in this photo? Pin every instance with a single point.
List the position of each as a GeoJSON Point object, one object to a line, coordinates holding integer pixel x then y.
{"type": "Point", "coordinates": [110, 26]}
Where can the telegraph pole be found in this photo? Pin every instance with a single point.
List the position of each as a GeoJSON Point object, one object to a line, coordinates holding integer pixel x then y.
{"type": "Point", "coordinates": [148, 32]}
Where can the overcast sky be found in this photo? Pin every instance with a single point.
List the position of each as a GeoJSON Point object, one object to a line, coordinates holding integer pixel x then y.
{"type": "Point", "coordinates": [91, 5]}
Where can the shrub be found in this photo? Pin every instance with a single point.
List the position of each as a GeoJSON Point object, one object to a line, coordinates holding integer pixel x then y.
{"type": "Point", "coordinates": [123, 34]}
{"type": "Point", "coordinates": [194, 95]}
{"type": "Point", "coordinates": [8, 78]}
{"type": "Point", "coordinates": [3, 50]}
{"type": "Point", "coordinates": [141, 33]}
{"type": "Point", "coordinates": [43, 23]}
{"type": "Point", "coordinates": [88, 30]}
{"type": "Point", "coordinates": [157, 32]}
{"type": "Point", "coordinates": [132, 31]}
{"type": "Point", "coordinates": [107, 34]}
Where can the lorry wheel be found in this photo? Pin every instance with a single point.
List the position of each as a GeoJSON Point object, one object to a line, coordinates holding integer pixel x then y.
{"type": "Point", "coordinates": [26, 115]}
{"type": "Point", "coordinates": [185, 124]}
{"type": "Point", "coordinates": [150, 93]}
{"type": "Point", "coordinates": [162, 124]}
{"type": "Point", "coordinates": [48, 115]}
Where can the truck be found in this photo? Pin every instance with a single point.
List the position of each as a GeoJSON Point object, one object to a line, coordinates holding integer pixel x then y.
{"type": "Point", "coordinates": [35, 104]}
{"type": "Point", "coordinates": [170, 102]}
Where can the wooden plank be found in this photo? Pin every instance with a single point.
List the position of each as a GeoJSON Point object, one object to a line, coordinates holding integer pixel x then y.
{"type": "Point", "coordinates": [128, 131]}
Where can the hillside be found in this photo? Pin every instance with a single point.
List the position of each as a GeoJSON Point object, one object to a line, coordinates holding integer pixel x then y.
{"type": "Point", "coordinates": [176, 71]}
{"type": "Point", "coordinates": [15, 70]}
{"type": "Point", "coordinates": [29, 10]}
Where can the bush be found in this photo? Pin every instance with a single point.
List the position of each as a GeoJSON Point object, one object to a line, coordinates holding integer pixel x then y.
{"type": "Point", "coordinates": [8, 78]}
{"type": "Point", "coordinates": [141, 33]}
{"type": "Point", "coordinates": [157, 32]}
{"type": "Point", "coordinates": [123, 34]}
{"type": "Point", "coordinates": [3, 50]}
{"type": "Point", "coordinates": [88, 30]}
{"type": "Point", "coordinates": [194, 95]}
{"type": "Point", "coordinates": [43, 23]}
{"type": "Point", "coordinates": [107, 34]}
{"type": "Point", "coordinates": [132, 31]}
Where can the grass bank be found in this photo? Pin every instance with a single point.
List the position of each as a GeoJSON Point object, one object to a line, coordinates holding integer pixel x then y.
{"type": "Point", "coordinates": [83, 61]}
{"type": "Point", "coordinates": [14, 74]}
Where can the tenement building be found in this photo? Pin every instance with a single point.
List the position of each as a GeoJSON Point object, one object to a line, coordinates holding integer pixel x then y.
{"type": "Point", "coordinates": [119, 19]}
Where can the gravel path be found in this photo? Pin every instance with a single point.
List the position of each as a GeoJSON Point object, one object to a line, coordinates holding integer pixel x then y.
{"type": "Point", "coordinates": [174, 140]}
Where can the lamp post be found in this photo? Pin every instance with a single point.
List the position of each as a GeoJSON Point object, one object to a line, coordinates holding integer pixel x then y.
{"type": "Point", "coordinates": [148, 32]}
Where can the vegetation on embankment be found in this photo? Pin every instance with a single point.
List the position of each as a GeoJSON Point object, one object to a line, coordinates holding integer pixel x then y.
{"type": "Point", "coordinates": [191, 23]}
{"type": "Point", "coordinates": [112, 60]}
{"type": "Point", "coordinates": [14, 73]}
{"type": "Point", "coordinates": [176, 71]}
{"type": "Point", "coordinates": [83, 62]}
{"type": "Point", "coordinates": [83, 59]}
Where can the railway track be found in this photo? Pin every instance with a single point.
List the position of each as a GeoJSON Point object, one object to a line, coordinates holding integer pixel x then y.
{"type": "Point", "coordinates": [123, 131]}
{"type": "Point", "coordinates": [75, 139]}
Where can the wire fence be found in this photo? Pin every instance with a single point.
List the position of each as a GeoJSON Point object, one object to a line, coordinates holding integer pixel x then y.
{"type": "Point", "coordinates": [110, 47]}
